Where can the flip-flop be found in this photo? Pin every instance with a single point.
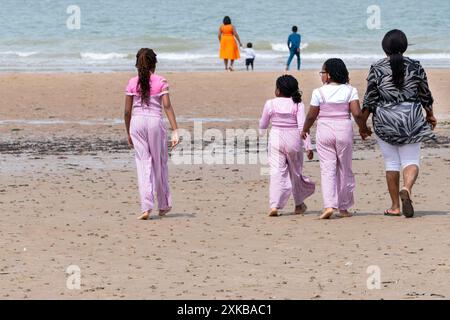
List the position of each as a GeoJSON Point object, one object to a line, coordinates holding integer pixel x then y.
{"type": "Point", "coordinates": [407, 207]}
{"type": "Point", "coordinates": [390, 214]}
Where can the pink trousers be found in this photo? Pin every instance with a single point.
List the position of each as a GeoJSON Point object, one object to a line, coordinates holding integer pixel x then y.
{"type": "Point", "coordinates": [334, 146]}
{"type": "Point", "coordinates": [286, 166]}
{"type": "Point", "coordinates": [149, 137]}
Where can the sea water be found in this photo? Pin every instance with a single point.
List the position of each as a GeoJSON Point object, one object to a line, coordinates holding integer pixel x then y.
{"type": "Point", "coordinates": [104, 35]}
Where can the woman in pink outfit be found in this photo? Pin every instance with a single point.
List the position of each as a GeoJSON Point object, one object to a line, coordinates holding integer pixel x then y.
{"type": "Point", "coordinates": [286, 113]}
{"type": "Point", "coordinates": [332, 104]}
{"type": "Point", "coordinates": [146, 95]}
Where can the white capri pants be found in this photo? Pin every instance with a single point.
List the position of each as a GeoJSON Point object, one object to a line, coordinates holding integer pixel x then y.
{"type": "Point", "coordinates": [397, 157]}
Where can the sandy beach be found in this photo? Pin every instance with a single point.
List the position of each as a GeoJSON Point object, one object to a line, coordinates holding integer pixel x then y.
{"type": "Point", "coordinates": [68, 196]}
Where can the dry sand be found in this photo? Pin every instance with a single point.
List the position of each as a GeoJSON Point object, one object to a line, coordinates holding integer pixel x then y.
{"type": "Point", "coordinates": [68, 196]}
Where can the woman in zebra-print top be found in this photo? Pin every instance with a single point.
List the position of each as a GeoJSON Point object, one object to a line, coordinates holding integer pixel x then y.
{"type": "Point", "coordinates": [397, 92]}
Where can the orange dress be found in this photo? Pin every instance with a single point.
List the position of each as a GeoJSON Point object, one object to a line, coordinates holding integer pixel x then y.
{"type": "Point", "coordinates": [228, 46]}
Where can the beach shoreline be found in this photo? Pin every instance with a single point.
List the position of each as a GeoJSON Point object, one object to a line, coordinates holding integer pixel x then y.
{"type": "Point", "coordinates": [68, 195]}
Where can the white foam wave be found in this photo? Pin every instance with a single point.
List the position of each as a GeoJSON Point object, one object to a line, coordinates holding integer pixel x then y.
{"type": "Point", "coordinates": [19, 53]}
{"type": "Point", "coordinates": [186, 56]}
{"type": "Point", "coordinates": [103, 56]}
{"type": "Point", "coordinates": [282, 47]}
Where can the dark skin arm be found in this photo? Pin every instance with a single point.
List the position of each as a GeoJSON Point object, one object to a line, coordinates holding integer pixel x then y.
{"type": "Point", "coordinates": [309, 121]}
{"type": "Point", "coordinates": [127, 117]}
{"type": "Point", "coordinates": [358, 115]}
{"type": "Point", "coordinates": [172, 119]}
{"type": "Point", "coordinates": [431, 119]}
{"type": "Point", "coordinates": [365, 114]}
{"type": "Point", "coordinates": [360, 119]}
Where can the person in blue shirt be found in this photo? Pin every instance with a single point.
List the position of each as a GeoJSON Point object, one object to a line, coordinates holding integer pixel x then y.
{"type": "Point", "coordinates": [294, 47]}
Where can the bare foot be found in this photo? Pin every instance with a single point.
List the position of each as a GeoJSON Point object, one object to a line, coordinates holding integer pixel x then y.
{"type": "Point", "coordinates": [344, 214]}
{"type": "Point", "coordinates": [327, 213]}
{"type": "Point", "coordinates": [144, 216]}
{"type": "Point", "coordinates": [407, 207]}
{"type": "Point", "coordinates": [300, 209]}
{"type": "Point", "coordinates": [273, 212]}
{"type": "Point", "coordinates": [162, 213]}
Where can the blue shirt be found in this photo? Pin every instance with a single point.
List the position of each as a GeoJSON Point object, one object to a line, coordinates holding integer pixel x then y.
{"type": "Point", "coordinates": [294, 41]}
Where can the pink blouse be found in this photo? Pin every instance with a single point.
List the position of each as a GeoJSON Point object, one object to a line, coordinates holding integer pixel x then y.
{"type": "Point", "coordinates": [284, 113]}
{"type": "Point", "coordinates": [158, 88]}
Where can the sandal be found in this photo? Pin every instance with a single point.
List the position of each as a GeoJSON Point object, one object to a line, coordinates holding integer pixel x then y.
{"type": "Point", "coordinates": [388, 213]}
{"type": "Point", "coordinates": [407, 207]}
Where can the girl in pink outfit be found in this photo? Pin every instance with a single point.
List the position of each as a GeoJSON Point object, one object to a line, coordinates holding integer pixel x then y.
{"type": "Point", "coordinates": [146, 95]}
{"type": "Point", "coordinates": [332, 104]}
{"type": "Point", "coordinates": [286, 113]}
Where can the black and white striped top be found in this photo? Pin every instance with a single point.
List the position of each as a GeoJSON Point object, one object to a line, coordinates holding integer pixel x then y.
{"type": "Point", "coordinates": [397, 112]}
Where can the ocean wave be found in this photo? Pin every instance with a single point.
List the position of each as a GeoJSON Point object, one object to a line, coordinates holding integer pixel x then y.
{"type": "Point", "coordinates": [18, 53]}
{"type": "Point", "coordinates": [186, 56]}
{"type": "Point", "coordinates": [371, 56]}
{"type": "Point", "coordinates": [282, 47]}
{"type": "Point", "coordinates": [104, 56]}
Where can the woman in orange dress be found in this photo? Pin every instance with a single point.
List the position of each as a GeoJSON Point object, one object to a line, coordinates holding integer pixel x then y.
{"type": "Point", "coordinates": [228, 46]}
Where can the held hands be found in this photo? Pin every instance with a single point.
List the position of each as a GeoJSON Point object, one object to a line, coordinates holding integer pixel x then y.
{"type": "Point", "coordinates": [365, 132]}
{"type": "Point", "coordinates": [304, 134]}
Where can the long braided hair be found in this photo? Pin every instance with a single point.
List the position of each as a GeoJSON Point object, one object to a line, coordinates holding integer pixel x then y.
{"type": "Point", "coordinates": [145, 64]}
{"type": "Point", "coordinates": [288, 87]}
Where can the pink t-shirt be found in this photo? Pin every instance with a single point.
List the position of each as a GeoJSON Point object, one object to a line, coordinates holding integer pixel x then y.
{"type": "Point", "coordinates": [158, 88]}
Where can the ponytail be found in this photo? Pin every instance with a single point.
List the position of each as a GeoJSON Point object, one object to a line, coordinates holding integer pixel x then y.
{"type": "Point", "coordinates": [297, 96]}
{"type": "Point", "coordinates": [145, 63]}
{"type": "Point", "coordinates": [288, 87]}
{"type": "Point", "coordinates": [398, 69]}
{"type": "Point", "coordinates": [394, 45]}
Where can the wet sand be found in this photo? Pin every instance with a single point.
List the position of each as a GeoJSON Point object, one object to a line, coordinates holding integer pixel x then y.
{"type": "Point", "coordinates": [68, 196]}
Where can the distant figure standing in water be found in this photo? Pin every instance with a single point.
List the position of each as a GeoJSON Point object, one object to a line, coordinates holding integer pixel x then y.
{"type": "Point", "coordinates": [293, 44]}
{"type": "Point", "coordinates": [228, 46]}
{"type": "Point", "coordinates": [249, 55]}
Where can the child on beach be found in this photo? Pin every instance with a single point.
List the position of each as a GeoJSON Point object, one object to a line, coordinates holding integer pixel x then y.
{"type": "Point", "coordinates": [146, 95]}
{"type": "Point", "coordinates": [249, 55]}
{"type": "Point", "coordinates": [332, 104]}
{"type": "Point", "coordinates": [286, 113]}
